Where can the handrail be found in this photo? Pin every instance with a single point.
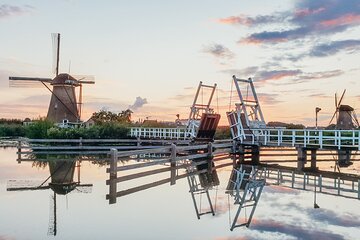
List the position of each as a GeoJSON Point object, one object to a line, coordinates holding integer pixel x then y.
{"type": "Point", "coordinates": [305, 137]}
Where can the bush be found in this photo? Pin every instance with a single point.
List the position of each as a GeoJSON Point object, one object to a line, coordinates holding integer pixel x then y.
{"type": "Point", "coordinates": [12, 130]}
{"type": "Point", "coordinates": [113, 130]}
{"type": "Point", "coordinates": [38, 129]}
{"type": "Point", "coordinates": [105, 130]}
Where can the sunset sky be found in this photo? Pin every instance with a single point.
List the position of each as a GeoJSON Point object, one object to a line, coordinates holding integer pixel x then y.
{"type": "Point", "coordinates": [151, 55]}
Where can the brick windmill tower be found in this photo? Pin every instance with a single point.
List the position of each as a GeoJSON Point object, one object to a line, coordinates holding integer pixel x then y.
{"type": "Point", "coordinates": [64, 105]}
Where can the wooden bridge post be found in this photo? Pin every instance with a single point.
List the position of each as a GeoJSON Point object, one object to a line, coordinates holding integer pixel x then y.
{"type": "Point", "coordinates": [113, 176]}
{"type": "Point", "coordinates": [19, 151]}
{"type": "Point", "coordinates": [255, 154]}
{"type": "Point", "coordinates": [301, 157]}
{"type": "Point", "coordinates": [138, 142]}
{"type": "Point", "coordinates": [313, 160]}
{"type": "Point", "coordinates": [241, 153]}
{"type": "Point", "coordinates": [173, 164]}
{"type": "Point", "coordinates": [234, 153]}
{"type": "Point", "coordinates": [210, 157]}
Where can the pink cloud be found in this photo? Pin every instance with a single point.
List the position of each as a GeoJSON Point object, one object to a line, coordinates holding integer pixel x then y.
{"type": "Point", "coordinates": [348, 19]}
{"type": "Point", "coordinates": [306, 12]}
{"type": "Point", "coordinates": [241, 20]}
{"type": "Point", "coordinates": [257, 41]}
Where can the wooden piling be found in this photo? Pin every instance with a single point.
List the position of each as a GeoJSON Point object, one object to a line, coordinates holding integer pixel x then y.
{"type": "Point", "coordinates": [113, 176]}
{"type": "Point", "coordinates": [19, 151]}
{"type": "Point", "coordinates": [255, 155]}
{"type": "Point", "coordinates": [301, 158]}
{"type": "Point", "coordinates": [173, 164]}
{"type": "Point", "coordinates": [241, 153]}
{"type": "Point", "coordinates": [313, 160]}
{"type": "Point", "coordinates": [138, 142]}
{"type": "Point", "coordinates": [210, 157]}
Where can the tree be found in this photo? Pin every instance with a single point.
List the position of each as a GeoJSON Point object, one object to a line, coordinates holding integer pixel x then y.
{"type": "Point", "coordinates": [104, 116]}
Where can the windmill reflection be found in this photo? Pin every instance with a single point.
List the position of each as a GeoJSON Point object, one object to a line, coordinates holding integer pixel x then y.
{"type": "Point", "coordinates": [62, 173]}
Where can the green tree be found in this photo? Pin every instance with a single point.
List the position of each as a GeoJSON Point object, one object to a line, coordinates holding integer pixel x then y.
{"type": "Point", "coordinates": [104, 116]}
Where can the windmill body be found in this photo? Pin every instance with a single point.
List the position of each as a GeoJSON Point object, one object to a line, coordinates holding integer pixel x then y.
{"type": "Point", "coordinates": [345, 119]}
{"type": "Point", "coordinates": [63, 104]}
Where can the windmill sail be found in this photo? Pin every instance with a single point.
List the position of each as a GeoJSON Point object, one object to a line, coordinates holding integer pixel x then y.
{"type": "Point", "coordinates": [56, 52]}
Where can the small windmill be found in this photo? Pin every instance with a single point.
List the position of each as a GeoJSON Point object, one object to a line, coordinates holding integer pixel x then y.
{"type": "Point", "coordinates": [64, 105]}
{"type": "Point", "coordinates": [345, 115]}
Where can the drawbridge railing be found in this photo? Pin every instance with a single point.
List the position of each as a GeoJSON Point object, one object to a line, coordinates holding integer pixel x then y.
{"type": "Point", "coordinates": [304, 137]}
{"type": "Point", "coordinates": [161, 133]}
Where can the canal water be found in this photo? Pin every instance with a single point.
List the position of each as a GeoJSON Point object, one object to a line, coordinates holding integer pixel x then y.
{"type": "Point", "coordinates": [162, 212]}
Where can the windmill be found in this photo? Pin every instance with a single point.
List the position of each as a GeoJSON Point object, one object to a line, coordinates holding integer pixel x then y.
{"type": "Point", "coordinates": [62, 183]}
{"type": "Point", "coordinates": [345, 115]}
{"type": "Point", "coordinates": [64, 106]}
{"type": "Point", "coordinates": [345, 120]}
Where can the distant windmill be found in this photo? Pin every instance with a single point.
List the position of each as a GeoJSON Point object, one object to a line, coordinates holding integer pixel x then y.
{"type": "Point", "coordinates": [345, 115]}
{"type": "Point", "coordinates": [63, 104]}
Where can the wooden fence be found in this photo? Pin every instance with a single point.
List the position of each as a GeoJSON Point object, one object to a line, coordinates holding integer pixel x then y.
{"type": "Point", "coordinates": [177, 157]}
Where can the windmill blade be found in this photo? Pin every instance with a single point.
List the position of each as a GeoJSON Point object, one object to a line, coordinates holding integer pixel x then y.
{"type": "Point", "coordinates": [342, 96]}
{"type": "Point", "coordinates": [335, 113]}
{"type": "Point", "coordinates": [30, 79]}
{"type": "Point", "coordinates": [56, 52]}
{"type": "Point", "coordinates": [336, 105]}
{"type": "Point", "coordinates": [28, 82]}
{"type": "Point", "coordinates": [52, 229]}
{"type": "Point", "coordinates": [354, 117]}
{"type": "Point", "coordinates": [25, 185]}
{"type": "Point", "coordinates": [83, 188]}
{"type": "Point", "coordinates": [84, 79]}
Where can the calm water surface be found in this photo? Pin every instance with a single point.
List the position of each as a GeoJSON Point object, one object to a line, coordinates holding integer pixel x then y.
{"type": "Point", "coordinates": [163, 212]}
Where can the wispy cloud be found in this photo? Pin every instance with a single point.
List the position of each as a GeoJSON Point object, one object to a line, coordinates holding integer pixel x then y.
{"type": "Point", "coordinates": [298, 232]}
{"type": "Point", "coordinates": [263, 75]}
{"type": "Point", "coordinates": [253, 21]}
{"type": "Point", "coordinates": [219, 51]}
{"type": "Point", "coordinates": [276, 74]}
{"type": "Point", "coordinates": [269, 98]}
{"type": "Point", "coordinates": [7, 10]}
{"type": "Point", "coordinates": [349, 46]}
{"type": "Point", "coordinates": [308, 18]}
{"type": "Point", "coordinates": [334, 218]}
{"type": "Point", "coordinates": [319, 75]}
{"type": "Point", "coordinates": [327, 49]}
{"type": "Point", "coordinates": [139, 102]}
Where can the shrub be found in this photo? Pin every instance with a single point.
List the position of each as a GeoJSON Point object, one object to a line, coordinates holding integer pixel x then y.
{"type": "Point", "coordinates": [38, 129]}
{"type": "Point", "coordinates": [12, 130]}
